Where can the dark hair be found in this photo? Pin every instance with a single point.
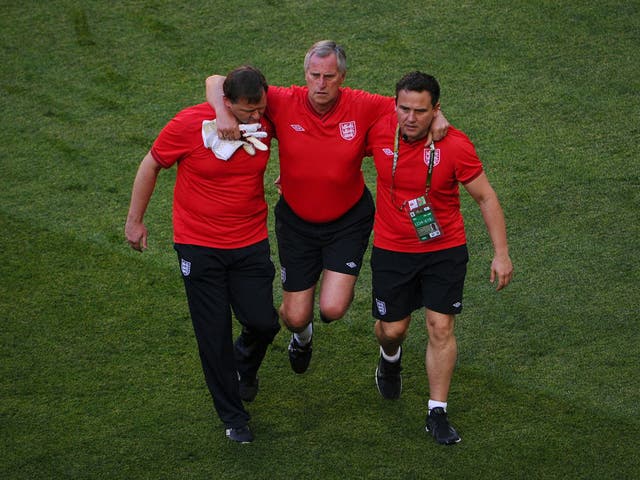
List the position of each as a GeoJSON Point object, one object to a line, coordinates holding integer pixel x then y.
{"type": "Point", "coordinates": [245, 82]}
{"type": "Point", "coordinates": [420, 82]}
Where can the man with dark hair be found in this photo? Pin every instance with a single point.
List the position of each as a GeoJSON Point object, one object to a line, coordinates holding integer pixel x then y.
{"type": "Point", "coordinates": [220, 235]}
{"type": "Point", "coordinates": [419, 254]}
{"type": "Point", "coordinates": [325, 213]}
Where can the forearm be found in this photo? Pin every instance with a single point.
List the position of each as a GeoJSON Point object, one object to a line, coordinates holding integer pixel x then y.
{"type": "Point", "coordinates": [143, 186]}
{"type": "Point", "coordinates": [439, 127]}
{"type": "Point", "coordinates": [226, 123]}
{"type": "Point", "coordinates": [493, 217]}
{"type": "Point", "coordinates": [214, 92]}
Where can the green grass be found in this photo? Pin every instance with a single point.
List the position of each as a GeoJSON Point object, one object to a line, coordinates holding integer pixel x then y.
{"type": "Point", "coordinates": [99, 374]}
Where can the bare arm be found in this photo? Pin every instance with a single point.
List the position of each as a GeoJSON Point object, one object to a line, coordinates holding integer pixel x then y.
{"type": "Point", "coordinates": [485, 196]}
{"type": "Point", "coordinates": [439, 127]}
{"type": "Point", "coordinates": [135, 231]}
{"type": "Point", "coordinates": [226, 123]}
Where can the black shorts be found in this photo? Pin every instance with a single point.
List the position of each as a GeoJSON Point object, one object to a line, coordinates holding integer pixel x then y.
{"type": "Point", "coordinates": [306, 248]}
{"type": "Point", "coordinates": [404, 282]}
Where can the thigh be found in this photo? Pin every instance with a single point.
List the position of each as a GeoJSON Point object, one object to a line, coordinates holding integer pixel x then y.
{"type": "Point", "coordinates": [348, 238]}
{"type": "Point", "coordinates": [443, 278]}
{"type": "Point", "coordinates": [336, 293]}
{"type": "Point", "coordinates": [206, 285]}
{"type": "Point", "coordinates": [251, 277]}
{"type": "Point", "coordinates": [345, 251]}
{"type": "Point", "coordinates": [395, 285]}
{"type": "Point", "coordinates": [299, 251]}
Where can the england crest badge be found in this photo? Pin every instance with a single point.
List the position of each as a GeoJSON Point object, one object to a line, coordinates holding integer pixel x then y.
{"type": "Point", "coordinates": [436, 156]}
{"type": "Point", "coordinates": [185, 267]}
{"type": "Point", "coordinates": [348, 130]}
{"type": "Point", "coordinates": [381, 306]}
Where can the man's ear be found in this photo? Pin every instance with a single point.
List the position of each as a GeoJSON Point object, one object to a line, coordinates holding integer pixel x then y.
{"type": "Point", "coordinates": [227, 102]}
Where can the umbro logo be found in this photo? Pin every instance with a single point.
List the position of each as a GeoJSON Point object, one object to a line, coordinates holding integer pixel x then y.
{"type": "Point", "coordinates": [388, 151]}
{"type": "Point", "coordinates": [352, 265]}
{"type": "Point", "coordinates": [297, 127]}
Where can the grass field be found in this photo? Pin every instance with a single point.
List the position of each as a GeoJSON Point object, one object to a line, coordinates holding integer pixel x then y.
{"type": "Point", "coordinates": [100, 376]}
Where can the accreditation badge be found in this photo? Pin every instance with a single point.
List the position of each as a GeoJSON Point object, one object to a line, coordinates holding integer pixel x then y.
{"type": "Point", "coordinates": [423, 219]}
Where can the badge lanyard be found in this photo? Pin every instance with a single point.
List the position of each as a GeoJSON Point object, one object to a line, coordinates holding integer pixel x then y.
{"type": "Point", "coordinates": [419, 211]}
{"type": "Point", "coordinates": [396, 152]}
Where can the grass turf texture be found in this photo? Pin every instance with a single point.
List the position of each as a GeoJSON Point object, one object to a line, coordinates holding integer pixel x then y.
{"type": "Point", "coordinates": [100, 376]}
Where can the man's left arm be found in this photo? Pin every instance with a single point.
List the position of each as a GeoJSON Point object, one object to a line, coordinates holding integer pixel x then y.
{"type": "Point", "coordinates": [482, 192]}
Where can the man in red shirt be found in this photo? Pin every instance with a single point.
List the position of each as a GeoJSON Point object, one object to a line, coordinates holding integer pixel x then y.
{"type": "Point", "coordinates": [419, 252]}
{"type": "Point", "coordinates": [325, 213]}
{"type": "Point", "coordinates": [220, 235]}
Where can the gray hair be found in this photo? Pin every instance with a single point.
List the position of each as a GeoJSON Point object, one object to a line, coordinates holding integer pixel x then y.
{"type": "Point", "coordinates": [323, 49]}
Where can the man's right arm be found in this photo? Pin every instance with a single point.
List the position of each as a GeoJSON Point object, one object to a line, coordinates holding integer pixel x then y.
{"type": "Point", "coordinates": [135, 231]}
{"type": "Point", "coordinates": [226, 123]}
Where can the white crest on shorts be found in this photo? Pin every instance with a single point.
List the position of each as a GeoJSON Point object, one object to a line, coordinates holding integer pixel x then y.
{"type": "Point", "coordinates": [351, 264]}
{"type": "Point", "coordinates": [185, 267]}
{"type": "Point", "coordinates": [457, 304]}
{"type": "Point", "coordinates": [283, 274]}
{"type": "Point", "coordinates": [382, 307]}
{"type": "Point", "coordinates": [348, 130]}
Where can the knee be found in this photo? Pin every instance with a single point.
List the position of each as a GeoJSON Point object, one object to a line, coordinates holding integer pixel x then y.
{"type": "Point", "coordinates": [441, 332]}
{"type": "Point", "coordinates": [270, 333]}
{"type": "Point", "coordinates": [263, 332]}
{"type": "Point", "coordinates": [333, 310]}
{"type": "Point", "coordinates": [390, 332]}
{"type": "Point", "coordinates": [295, 320]}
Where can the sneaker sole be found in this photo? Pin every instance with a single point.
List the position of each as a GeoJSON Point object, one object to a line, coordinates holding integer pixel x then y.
{"type": "Point", "coordinates": [241, 442]}
{"type": "Point", "coordinates": [448, 443]}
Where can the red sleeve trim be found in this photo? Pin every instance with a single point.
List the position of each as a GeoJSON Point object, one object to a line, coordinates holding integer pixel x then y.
{"type": "Point", "coordinates": [474, 177]}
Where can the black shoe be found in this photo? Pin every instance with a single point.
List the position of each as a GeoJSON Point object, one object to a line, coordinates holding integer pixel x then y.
{"type": "Point", "coordinates": [438, 425]}
{"type": "Point", "coordinates": [299, 355]}
{"type": "Point", "coordinates": [388, 378]}
{"type": "Point", "coordinates": [240, 435]}
{"type": "Point", "coordinates": [248, 388]}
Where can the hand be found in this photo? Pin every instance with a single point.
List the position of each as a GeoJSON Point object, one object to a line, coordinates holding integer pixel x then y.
{"type": "Point", "coordinates": [136, 234]}
{"type": "Point", "coordinates": [438, 129]}
{"type": "Point", "coordinates": [277, 184]}
{"type": "Point", "coordinates": [501, 271]}
{"type": "Point", "coordinates": [227, 125]}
